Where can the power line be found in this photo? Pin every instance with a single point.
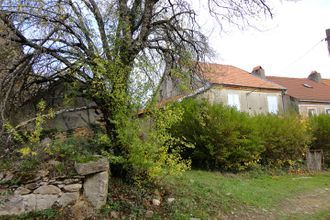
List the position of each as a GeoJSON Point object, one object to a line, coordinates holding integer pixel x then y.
{"type": "Point", "coordinates": [307, 52]}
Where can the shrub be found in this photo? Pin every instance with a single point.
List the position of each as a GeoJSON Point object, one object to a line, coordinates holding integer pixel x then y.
{"type": "Point", "coordinates": [321, 132]}
{"type": "Point", "coordinates": [285, 138]}
{"type": "Point", "coordinates": [224, 138]}
{"type": "Point", "coordinates": [147, 144]}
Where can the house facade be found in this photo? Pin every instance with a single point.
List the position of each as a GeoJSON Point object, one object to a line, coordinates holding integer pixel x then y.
{"type": "Point", "coordinates": [308, 96]}
{"type": "Point", "coordinates": [237, 88]}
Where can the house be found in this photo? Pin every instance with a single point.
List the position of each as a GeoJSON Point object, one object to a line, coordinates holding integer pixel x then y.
{"type": "Point", "coordinates": [247, 92]}
{"type": "Point", "coordinates": [326, 81]}
{"type": "Point", "coordinates": [309, 96]}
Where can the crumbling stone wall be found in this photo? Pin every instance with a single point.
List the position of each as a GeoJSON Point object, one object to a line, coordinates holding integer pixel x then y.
{"type": "Point", "coordinates": [87, 190]}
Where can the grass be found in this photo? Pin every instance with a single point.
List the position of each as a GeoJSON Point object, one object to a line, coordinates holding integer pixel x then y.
{"type": "Point", "coordinates": [202, 194]}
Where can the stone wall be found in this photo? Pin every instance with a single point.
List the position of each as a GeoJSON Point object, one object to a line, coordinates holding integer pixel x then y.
{"type": "Point", "coordinates": [87, 190]}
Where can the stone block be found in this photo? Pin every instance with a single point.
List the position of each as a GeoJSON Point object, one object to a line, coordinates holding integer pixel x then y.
{"type": "Point", "coordinates": [91, 167]}
{"type": "Point", "coordinates": [48, 190]}
{"type": "Point", "coordinates": [68, 198]}
{"type": "Point", "coordinates": [45, 201]}
{"type": "Point", "coordinates": [96, 189]}
{"type": "Point", "coordinates": [72, 187]}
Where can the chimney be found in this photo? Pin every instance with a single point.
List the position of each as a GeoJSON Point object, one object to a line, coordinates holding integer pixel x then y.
{"type": "Point", "coordinates": [315, 76]}
{"type": "Point", "coordinates": [258, 71]}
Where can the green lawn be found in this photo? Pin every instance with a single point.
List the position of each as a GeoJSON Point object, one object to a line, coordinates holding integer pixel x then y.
{"type": "Point", "coordinates": [204, 194]}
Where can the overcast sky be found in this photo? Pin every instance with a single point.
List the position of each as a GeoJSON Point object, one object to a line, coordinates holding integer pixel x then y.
{"type": "Point", "coordinates": [288, 45]}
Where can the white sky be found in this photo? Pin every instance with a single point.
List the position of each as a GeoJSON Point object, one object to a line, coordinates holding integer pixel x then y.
{"type": "Point", "coordinates": [287, 45]}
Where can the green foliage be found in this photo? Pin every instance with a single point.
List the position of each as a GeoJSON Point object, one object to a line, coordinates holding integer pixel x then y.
{"type": "Point", "coordinates": [229, 140]}
{"type": "Point", "coordinates": [28, 140]}
{"type": "Point", "coordinates": [321, 132]}
{"type": "Point", "coordinates": [223, 137]}
{"type": "Point", "coordinates": [148, 146]}
{"type": "Point", "coordinates": [286, 139]}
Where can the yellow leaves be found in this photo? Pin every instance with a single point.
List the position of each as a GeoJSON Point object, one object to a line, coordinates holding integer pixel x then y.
{"type": "Point", "coordinates": [27, 151]}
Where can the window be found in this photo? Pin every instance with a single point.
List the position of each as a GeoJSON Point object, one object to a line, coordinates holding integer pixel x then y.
{"type": "Point", "coordinates": [272, 104]}
{"type": "Point", "coordinates": [233, 101]}
{"type": "Point", "coordinates": [311, 111]}
{"type": "Point", "coordinates": [327, 111]}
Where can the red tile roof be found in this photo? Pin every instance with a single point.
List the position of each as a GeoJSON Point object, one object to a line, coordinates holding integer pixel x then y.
{"type": "Point", "coordinates": [230, 75]}
{"type": "Point", "coordinates": [326, 81]}
{"type": "Point", "coordinates": [304, 89]}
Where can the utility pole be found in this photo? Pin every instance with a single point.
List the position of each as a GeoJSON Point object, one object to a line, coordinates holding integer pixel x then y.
{"type": "Point", "coordinates": [327, 31]}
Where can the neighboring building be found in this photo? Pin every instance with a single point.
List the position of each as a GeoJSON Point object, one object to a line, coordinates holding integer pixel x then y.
{"type": "Point", "coordinates": [309, 96]}
{"type": "Point", "coordinates": [237, 88]}
{"type": "Point", "coordinates": [326, 81]}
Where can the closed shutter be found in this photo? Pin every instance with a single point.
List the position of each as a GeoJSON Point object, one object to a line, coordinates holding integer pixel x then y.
{"type": "Point", "coordinates": [272, 104]}
{"type": "Point", "coordinates": [233, 101]}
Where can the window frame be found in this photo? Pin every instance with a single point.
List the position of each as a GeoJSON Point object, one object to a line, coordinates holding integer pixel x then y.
{"type": "Point", "coordinates": [311, 108]}
{"type": "Point", "coordinates": [326, 111]}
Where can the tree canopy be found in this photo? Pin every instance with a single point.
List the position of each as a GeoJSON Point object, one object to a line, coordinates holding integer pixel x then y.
{"type": "Point", "coordinates": [109, 49]}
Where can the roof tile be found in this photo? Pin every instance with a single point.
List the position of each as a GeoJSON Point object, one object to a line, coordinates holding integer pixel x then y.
{"type": "Point", "coordinates": [230, 75]}
{"type": "Point", "coordinates": [303, 89]}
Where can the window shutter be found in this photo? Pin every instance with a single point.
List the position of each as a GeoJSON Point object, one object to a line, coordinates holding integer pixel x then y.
{"type": "Point", "coordinates": [272, 104]}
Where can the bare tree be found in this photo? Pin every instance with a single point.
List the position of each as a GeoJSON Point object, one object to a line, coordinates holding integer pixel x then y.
{"type": "Point", "coordinates": [98, 44]}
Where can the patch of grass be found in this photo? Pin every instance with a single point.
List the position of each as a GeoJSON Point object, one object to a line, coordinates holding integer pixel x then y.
{"type": "Point", "coordinates": [321, 215]}
{"type": "Point", "coordinates": [202, 194]}
{"type": "Point", "coordinates": [45, 214]}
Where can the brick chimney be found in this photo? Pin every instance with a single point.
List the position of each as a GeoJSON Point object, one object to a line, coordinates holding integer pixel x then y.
{"type": "Point", "coordinates": [315, 76]}
{"type": "Point", "coordinates": [258, 71]}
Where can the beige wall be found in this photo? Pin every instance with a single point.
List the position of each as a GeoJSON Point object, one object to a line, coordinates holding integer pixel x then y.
{"type": "Point", "coordinates": [319, 107]}
{"type": "Point", "coordinates": [251, 100]}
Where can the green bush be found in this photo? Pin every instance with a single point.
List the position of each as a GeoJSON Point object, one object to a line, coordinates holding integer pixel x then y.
{"type": "Point", "coordinates": [229, 140]}
{"type": "Point", "coordinates": [224, 138]}
{"type": "Point", "coordinates": [147, 144]}
{"type": "Point", "coordinates": [321, 132]}
{"type": "Point", "coordinates": [285, 138]}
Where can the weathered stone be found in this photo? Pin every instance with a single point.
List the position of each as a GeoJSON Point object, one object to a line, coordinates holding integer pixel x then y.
{"type": "Point", "coordinates": [35, 179]}
{"type": "Point", "coordinates": [8, 176]}
{"type": "Point", "coordinates": [91, 167]}
{"type": "Point", "coordinates": [22, 191]}
{"type": "Point", "coordinates": [149, 214]}
{"type": "Point", "coordinates": [29, 202]}
{"type": "Point", "coordinates": [156, 202]}
{"type": "Point", "coordinates": [68, 198]}
{"type": "Point", "coordinates": [32, 186]}
{"type": "Point", "coordinates": [18, 204]}
{"type": "Point", "coordinates": [114, 215]}
{"type": "Point", "coordinates": [70, 181]}
{"type": "Point", "coordinates": [45, 201]}
{"type": "Point", "coordinates": [42, 173]}
{"type": "Point", "coordinates": [96, 189]}
{"type": "Point", "coordinates": [46, 142]}
{"type": "Point", "coordinates": [47, 190]}
{"type": "Point", "coordinates": [72, 187]}
{"type": "Point", "coordinates": [13, 206]}
{"type": "Point", "coordinates": [170, 200]}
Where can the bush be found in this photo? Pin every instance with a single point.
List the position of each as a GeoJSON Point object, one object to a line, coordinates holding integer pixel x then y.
{"type": "Point", "coordinates": [285, 138]}
{"type": "Point", "coordinates": [321, 132]}
{"type": "Point", "coordinates": [147, 146]}
{"type": "Point", "coordinates": [224, 138]}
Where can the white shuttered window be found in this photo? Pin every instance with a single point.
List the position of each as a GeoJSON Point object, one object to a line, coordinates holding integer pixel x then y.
{"type": "Point", "coordinates": [233, 101]}
{"type": "Point", "coordinates": [272, 104]}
